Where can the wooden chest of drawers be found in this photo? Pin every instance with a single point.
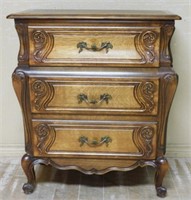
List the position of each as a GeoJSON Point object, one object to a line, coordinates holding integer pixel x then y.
{"type": "Point", "coordinates": [95, 88]}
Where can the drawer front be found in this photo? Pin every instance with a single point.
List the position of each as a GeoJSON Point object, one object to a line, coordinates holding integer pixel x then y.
{"type": "Point", "coordinates": [124, 46]}
{"type": "Point", "coordinates": [94, 96]}
{"type": "Point", "coordinates": [60, 139]}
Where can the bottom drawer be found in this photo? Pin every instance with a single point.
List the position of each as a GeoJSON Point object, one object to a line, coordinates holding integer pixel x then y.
{"type": "Point", "coordinates": [57, 138]}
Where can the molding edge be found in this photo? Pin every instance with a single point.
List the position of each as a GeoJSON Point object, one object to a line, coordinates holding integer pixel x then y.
{"type": "Point", "coordinates": [178, 151]}
{"type": "Point", "coordinates": [173, 150]}
{"type": "Point", "coordinates": [8, 150]}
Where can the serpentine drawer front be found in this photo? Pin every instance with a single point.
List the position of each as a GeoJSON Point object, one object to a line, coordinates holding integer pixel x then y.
{"type": "Point", "coordinates": [101, 96]}
{"type": "Point", "coordinates": [133, 140]}
{"type": "Point", "coordinates": [95, 89]}
{"type": "Point", "coordinates": [126, 45]}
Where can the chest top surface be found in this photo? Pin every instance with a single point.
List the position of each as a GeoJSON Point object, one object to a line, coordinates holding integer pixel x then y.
{"type": "Point", "coordinates": [95, 14]}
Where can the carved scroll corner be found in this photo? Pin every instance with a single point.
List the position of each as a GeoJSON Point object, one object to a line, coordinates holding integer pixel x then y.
{"type": "Point", "coordinates": [18, 81]}
{"type": "Point", "coordinates": [168, 29]}
{"type": "Point", "coordinates": [43, 44]}
{"type": "Point", "coordinates": [45, 137]}
{"type": "Point", "coordinates": [147, 134]}
{"type": "Point", "coordinates": [18, 76]}
{"type": "Point", "coordinates": [145, 43]}
{"type": "Point", "coordinates": [145, 95]}
{"type": "Point", "coordinates": [149, 88]}
{"type": "Point", "coordinates": [43, 92]}
{"type": "Point", "coordinates": [171, 78]}
{"type": "Point", "coordinates": [42, 131]}
{"type": "Point", "coordinates": [170, 82]}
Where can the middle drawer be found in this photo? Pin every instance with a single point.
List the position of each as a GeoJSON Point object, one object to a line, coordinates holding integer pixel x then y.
{"type": "Point", "coordinates": [132, 96]}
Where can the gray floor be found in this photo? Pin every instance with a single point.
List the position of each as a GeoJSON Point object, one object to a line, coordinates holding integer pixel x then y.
{"type": "Point", "coordinates": [55, 184]}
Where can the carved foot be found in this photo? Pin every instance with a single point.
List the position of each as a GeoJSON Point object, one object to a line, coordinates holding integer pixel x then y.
{"type": "Point", "coordinates": [28, 188]}
{"type": "Point", "coordinates": [162, 167]}
{"type": "Point", "coordinates": [161, 191]}
{"type": "Point", "coordinates": [28, 163]}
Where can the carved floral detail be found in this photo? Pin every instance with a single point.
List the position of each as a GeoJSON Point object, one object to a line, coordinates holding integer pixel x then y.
{"type": "Point", "coordinates": [45, 137]}
{"type": "Point", "coordinates": [145, 44]}
{"type": "Point", "coordinates": [44, 93]}
{"type": "Point", "coordinates": [147, 134]}
{"type": "Point", "coordinates": [145, 95]}
{"type": "Point", "coordinates": [142, 138]}
{"type": "Point", "coordinates": [149, 38]}
{"type": "Point", "coordinates": [43, 44]}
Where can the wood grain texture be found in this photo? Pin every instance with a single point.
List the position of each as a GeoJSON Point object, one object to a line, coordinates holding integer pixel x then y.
{"type": "Point", "coordinates": [59, 45]}
{"type": "Point", "coordinates": [127, 96]}
{"type": "Point", "coordinates": [53, 138]}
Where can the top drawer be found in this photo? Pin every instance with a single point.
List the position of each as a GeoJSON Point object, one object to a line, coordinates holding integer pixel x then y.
{"type": "Point", "coordinates": [122, 46]}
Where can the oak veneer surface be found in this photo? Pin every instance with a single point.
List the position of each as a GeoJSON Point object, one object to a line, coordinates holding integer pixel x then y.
{"type": "Point", "coordinates": [95, 90]}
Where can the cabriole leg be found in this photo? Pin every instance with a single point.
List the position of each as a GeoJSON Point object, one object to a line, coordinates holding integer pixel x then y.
{"type": "Point", "coordinates": [28, 163]}
{"type": "Point", "coordinates": [162, 167]}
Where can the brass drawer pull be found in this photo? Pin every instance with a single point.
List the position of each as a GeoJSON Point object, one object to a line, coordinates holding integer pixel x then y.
{"type": "Point", "coordinates": [103, 97]}
{"type": "Point", "coordinates": [95, 143]}
{"type": "Point", "coordinates": [104, 45]}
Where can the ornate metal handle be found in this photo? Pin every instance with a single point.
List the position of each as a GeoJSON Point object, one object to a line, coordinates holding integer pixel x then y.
{"type": "Point", "coordinates": [95, 143]}
{"type": "Point", "coordinates": [103, 97]}
{"type": "Point", "coordinates": [104, 45]}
